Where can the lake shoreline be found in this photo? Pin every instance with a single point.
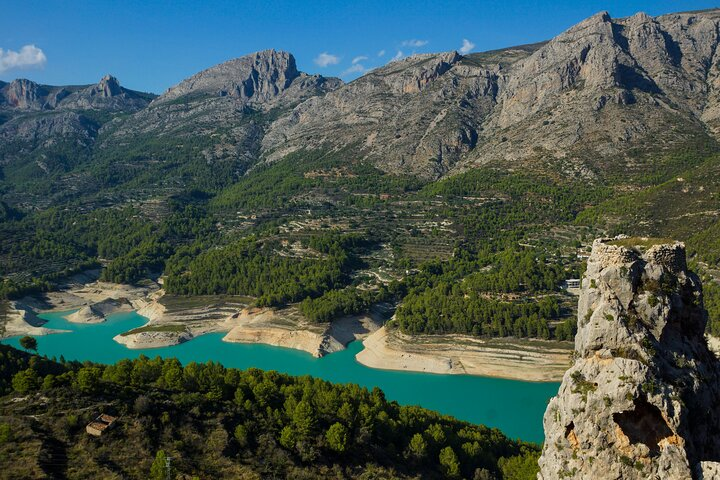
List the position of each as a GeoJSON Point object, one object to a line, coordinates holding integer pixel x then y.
{"type": "Point", "coordinates": [524, 360]}
{"type": "Point", "coordinates": [175, 320]}
{"type": "Point", "coordinates": [482, 400]}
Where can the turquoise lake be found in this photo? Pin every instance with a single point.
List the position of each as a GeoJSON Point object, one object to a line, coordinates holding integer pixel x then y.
{"type": "Point", "coordinates": [514, 407]}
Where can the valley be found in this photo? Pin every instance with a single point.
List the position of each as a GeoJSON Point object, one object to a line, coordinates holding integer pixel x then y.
{"type": "Point", "coordinates": [424, 229]}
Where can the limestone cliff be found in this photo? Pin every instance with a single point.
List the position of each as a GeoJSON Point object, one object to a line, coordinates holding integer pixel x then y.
{"type": "Point", "coordinates": [579, 103]}
{"type": "Point", "coordinates": [262, 79]}
{"type": "Point", "coordinates": [641, 400]}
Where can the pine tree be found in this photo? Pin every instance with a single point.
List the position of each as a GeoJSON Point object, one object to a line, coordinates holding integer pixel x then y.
{"type": "Point", "coordinates": [159, 469]}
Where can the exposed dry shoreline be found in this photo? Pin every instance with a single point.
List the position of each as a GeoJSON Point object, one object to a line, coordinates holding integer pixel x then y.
{"type": "Point", "coordinates": [268, 326]}
{"type": "Point", "coordinates": [22, 320]}
{"type": "Point", "coordinates": [173, 320]}
{"type": "Point", "coordinates": [94, 300]}
{"type": "Point", "coordinates": [530, 360]}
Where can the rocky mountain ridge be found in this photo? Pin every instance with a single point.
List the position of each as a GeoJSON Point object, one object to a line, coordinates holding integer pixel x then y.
{"type": "Point", "coordinates": [608, 98]}
{"type": "Point", "coordinates": [560, 102]}
{"type": "Point", "coordinates": [25, 95]}
{"type": "Point", "coordinates": [260, 79]}
{"type": "Point", "coordinates": [48, 130]}
{"type": "Point", "coordinates": [641, 399]}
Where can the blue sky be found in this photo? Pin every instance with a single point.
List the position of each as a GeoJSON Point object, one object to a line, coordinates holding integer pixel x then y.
{"type": "Point", "coordinates": [151, 45]}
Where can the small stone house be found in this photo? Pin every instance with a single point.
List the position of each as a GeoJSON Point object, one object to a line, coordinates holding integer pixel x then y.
{"type": "Point", "coordinates": [98, 426]}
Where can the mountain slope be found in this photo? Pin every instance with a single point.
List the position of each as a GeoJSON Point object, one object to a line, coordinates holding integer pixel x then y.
{"type": "Point", "coordinates": [47, 131]}
{"type": "Point", "coordinates": [607, 96]}
{"type": "Point", "coordinates": [594, 100]}
{"type": "Point", "coordinates": [605, 100]}
{"type": "Point", "coordinates": [207, 129]}
{"type": "Point", "coordinates": [417, 115]}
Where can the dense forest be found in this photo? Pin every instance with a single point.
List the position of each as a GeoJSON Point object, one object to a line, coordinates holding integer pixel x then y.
{"type": "Point", "coordinates": [501, 275]}
{"type": "Point", "coordinates": [59, 241]}
{"type": "Point", "coordinates": [509, 293]}
{"type": "Point", "coordinates": [248, 267]}
{"type": "Point", "coordinates": [225, 423]}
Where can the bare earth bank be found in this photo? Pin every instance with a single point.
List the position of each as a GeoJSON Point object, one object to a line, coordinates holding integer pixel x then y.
{"type": "Point", "coordinates": [531, 360]}
{"type": "Point", "coordinates": [94, 300]}
{"type": "Point", "coordinates": [174, 320]}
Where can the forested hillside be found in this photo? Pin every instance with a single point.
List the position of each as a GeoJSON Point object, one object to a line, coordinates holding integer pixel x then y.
{"type": "Point", "coordinates": [224, 423]}
{"type": "Point", "coordinates": [471, 206]}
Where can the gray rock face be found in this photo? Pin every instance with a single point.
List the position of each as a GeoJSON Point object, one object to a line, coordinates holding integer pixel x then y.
{"type": "Point", "coordinates": [418, 115]}
{"type": "Point", "coordinates": [227, 106]}
{"type": "Point", "coordinates": [641, 400]}
{"type": "Point", "coordinates": [23, 94]}
{"type": "Point", "coordinates": [259, 79]}
{"type": "Point", "coordinates": [604, 86]}
{"type": "Point", "coordinates": [559, 103]}
{"type": "Point", "coordinates": [108, 87]}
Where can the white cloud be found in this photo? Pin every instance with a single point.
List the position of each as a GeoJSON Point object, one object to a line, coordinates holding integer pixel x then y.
{"type": "Point", "coordinates": [325, 59]}
{"type": "Point", "coordinates": [29, 56]}
{"type": "Point", "coordinates": [397, 56]}
{"type": "Point", "coordinates": [355, 68]}
{"type": "Point", "coordinates": [414, 43]}
{"type": "Point", "coordinates": [359, 59]}
{"type": "Point", "coordinates": [381, 53]}
{"type": "Point", "coordinates": [467, 46]}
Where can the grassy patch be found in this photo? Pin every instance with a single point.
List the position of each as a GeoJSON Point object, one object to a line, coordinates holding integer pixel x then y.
{"type": "Point", "coordinates": [155, 328]}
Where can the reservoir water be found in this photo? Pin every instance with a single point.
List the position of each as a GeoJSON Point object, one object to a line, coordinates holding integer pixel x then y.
{"type": "Point", "coordinates": [514, 407]}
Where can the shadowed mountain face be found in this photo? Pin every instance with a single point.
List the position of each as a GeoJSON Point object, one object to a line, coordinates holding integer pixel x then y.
{"type": "Point", "coordinates": [602, 100]}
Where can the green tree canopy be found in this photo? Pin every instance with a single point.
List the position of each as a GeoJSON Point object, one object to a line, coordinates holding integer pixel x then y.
{"type": "Point", "coordinates": [337, 437]}
{"type": "Point", "coordinates": [28, 343]}
{"type": "Point", "coordinates": [450, 462]}
{"type": "Point", "coordinates": [159, 470]}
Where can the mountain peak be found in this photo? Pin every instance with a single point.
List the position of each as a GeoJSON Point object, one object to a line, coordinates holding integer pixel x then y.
{"type": "Point", "coordinates": [257, 77]}
{"type": "Point", "coordinates": [24, 94]}
{"type": "Point", "coordinates": [107, 87]}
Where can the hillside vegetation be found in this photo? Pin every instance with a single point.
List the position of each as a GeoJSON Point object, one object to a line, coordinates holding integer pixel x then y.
{"type": "Point", "coordinates": [225, 423]}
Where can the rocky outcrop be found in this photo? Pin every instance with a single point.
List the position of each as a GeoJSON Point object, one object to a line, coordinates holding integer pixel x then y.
{"type": "Point", "coordinates": [258, 79]}
{"type": "Point", "coordinates": [108, 87]}
{"type": "Point", "coordinates": [641, 400]}
{"type": "Point", "coordinates": [98, 312]}
{"type": "Point", "coordinates": [106, 95]}
{"type": "Point", "coordinates": [24, 94]}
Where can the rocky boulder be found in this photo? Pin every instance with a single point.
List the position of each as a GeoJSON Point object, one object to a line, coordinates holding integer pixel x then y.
{"type": "Point", "coordinates": [641, 400]}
